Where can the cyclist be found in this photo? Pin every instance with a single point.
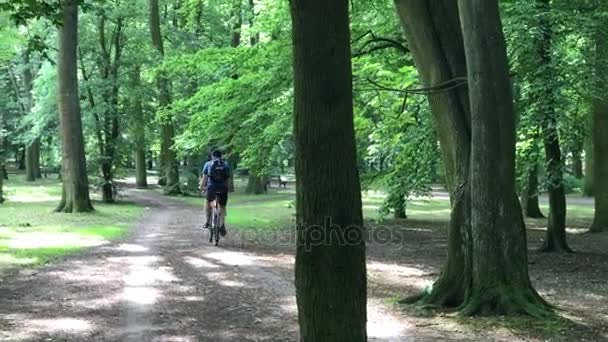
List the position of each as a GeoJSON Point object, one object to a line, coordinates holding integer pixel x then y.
{"type": "Point", "coordinates": [216, 181]}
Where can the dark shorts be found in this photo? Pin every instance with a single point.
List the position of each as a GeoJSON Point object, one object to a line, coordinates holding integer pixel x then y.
{"type": "Point", "coordinates": [221, 196]}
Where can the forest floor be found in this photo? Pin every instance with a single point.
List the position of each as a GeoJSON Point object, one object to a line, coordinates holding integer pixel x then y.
{"type": "Point", "coordinates": [164, 282]}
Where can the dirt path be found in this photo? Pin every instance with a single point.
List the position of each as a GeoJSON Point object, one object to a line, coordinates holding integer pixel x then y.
{"type": "Point", "coordinates": [164, 283]}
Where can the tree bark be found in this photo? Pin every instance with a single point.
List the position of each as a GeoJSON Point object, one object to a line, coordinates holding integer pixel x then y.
{"type": "Point", "coordinates": [577, 163]}
{"type": "Point", "coordinates": [75, 194]}
{"type": "Point", "coordinates": [30, 175]}
{"type": "Point", "coordinates": [588, 189]}
{"type": "Point", "coordinates": [498, 261]}
{"type": "Point", "coordinates": [328, 200]}
{"type": "Point", "coordinates": [555, 240]}
{"type": "Point", "coordinates": [36, 157]}
{"type": "Point", "coordinates": [531, 195]}
{"type": "Point", "coordinates": [600, 136]}
{"type": "Point", "coordinates": [169, 165]}
{"type": "Point", "coordinates": [432, 29]}
{"type": "Point", "coordinates": [141, 180]}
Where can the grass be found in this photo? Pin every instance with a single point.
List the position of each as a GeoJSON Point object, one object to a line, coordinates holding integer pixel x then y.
{"type": "Point", "coordinates": [277, 209]}
{"type": "Point", "coordinates": [32, 234]}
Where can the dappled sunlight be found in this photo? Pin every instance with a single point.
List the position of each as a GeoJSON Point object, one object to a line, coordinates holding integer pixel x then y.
{"type": "Point", "coordinates": [397, 278]}
{"type": "Point", "coordinates": [125, 247]}
{"type": "Point", "coordinates": [383, 326]}
{"type": "Point", "coordinates": [199, 263]}
{"type": "Point", "coordinates": [9, 259]}
{"type": "Point", "coordinates": [232, 258]}
{"type": "Point", "coordinates": [52, 240]}
{"type": "Point", "coordinates": [60, 325]}
{"type": "Point", "coordinates": [231, 283]}
{"type": "Point", "coordinates": [141, 295]}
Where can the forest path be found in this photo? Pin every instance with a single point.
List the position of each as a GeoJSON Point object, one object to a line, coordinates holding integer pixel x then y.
{"type": "Point", "coordinates": [165, 283]}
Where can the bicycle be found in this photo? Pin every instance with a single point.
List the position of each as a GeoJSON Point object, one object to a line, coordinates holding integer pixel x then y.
{"type": "Point", "coordinates": [214, 229]}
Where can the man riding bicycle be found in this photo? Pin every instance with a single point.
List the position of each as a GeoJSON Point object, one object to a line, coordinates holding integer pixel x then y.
{"type": "Point", "coordinates": [216, 181]}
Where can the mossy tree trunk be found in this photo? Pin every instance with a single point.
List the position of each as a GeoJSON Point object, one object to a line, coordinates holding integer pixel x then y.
{"type": "Point", "coordinates": [432, 29]}
{"type": "Point", "coordinates": [75, 195]}
{"type": "Point", "coordinates": [498, 263]}
{"type": "Point", "coordinates": [485, 272]}
{"type": "Point", "coordinates": [330, 275]}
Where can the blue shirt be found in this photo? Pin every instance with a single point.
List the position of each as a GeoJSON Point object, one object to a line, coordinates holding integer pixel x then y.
{"type": "Point", "coordinates": [214, 186]}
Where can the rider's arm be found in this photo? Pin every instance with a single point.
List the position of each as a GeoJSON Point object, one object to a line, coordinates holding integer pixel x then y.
{"type": "Point", "coordinates": [204, 178]}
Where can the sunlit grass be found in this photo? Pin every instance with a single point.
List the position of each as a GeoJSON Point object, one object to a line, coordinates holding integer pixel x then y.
{"type": "Point", "coordinates": [32, 234]}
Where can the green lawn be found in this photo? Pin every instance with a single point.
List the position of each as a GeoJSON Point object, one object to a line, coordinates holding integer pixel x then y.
{"type": "Point", "coordinates": [276, 209]}
{"type": "Point", "coordinates": [32, 234]}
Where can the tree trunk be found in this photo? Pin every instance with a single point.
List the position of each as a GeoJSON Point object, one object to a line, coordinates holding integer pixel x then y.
{"type": "Point", "coordinates": [255, 36]}
{"type": "Point", "coordinates": [30, 175]}
{"type": "Point", "coordinates": [141, 180]}
{"type": "Point", "coordinates": [531, 202]}
{"type": "Point", "coordinates": [498, 263]}
{"type": "Point", "coordinates": [36, 157]}
{"type": "Point", "coordinates": [555, 241]}
{"type": "Point", "coordinates": [75, 194]}
{"type": "Point", "coordinates": [237, 22]}
{"type": "Point", "coordinates": [257, 185]}
{"type": "Point", "coordinates": [139, 133]}
{"type": "Point", "coordinates": [169, 167]}
{"type": "Point", "coordinates": [330, 271]}
{"type": "Point", "coordinates": [600, 137]}
{"type": "Point", "coordinates": [577, 163]}
{"type": "Point", "coordinates": [2, 175]}
{"type": "Point", "coordinates": [150, 161]}
{"type": "Point", "coordinates": [588, 189]}
{"type": "Point", "coordinates": [21, 157]}
{"type": "Point", "coordinates": [399, 211]}
{"type": "Point", "coordinates": [432, 29]}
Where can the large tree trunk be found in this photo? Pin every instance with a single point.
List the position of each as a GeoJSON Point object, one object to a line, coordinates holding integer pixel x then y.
{"type": "Point", "coordinates": [330, 274]}
{"type": "Point", "coordinates": [555, 241]}
{"type": "Point", "coordinates": [433, 33]}
{"type": "Point", "coordinates": [75, 194]}
{"type": "Point", "coordinates": [498, 262]}
{"type": "Point", "coordinates": [600, 137]}
{"type": "Point", "coordinates": [169, 172]}
{"type": "Point", "coordinates": [531, 195]}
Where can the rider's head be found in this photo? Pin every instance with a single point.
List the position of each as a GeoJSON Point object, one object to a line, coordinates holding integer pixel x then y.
{"type": "Point", "coordinates": [216, 154]}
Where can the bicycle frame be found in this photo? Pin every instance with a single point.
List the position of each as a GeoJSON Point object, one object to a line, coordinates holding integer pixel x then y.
{"type": "Point", "coordinates": [214, 231]}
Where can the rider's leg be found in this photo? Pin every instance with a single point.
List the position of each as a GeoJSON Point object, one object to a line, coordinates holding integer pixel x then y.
{"type": "Point", "coordinates": [223, 201]}
{"type": "Point", "coordinates": [208, 210]}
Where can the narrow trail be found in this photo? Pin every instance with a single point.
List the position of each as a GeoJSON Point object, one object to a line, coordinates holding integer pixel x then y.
{"type": "Point", "coordinates": [164, 283]}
